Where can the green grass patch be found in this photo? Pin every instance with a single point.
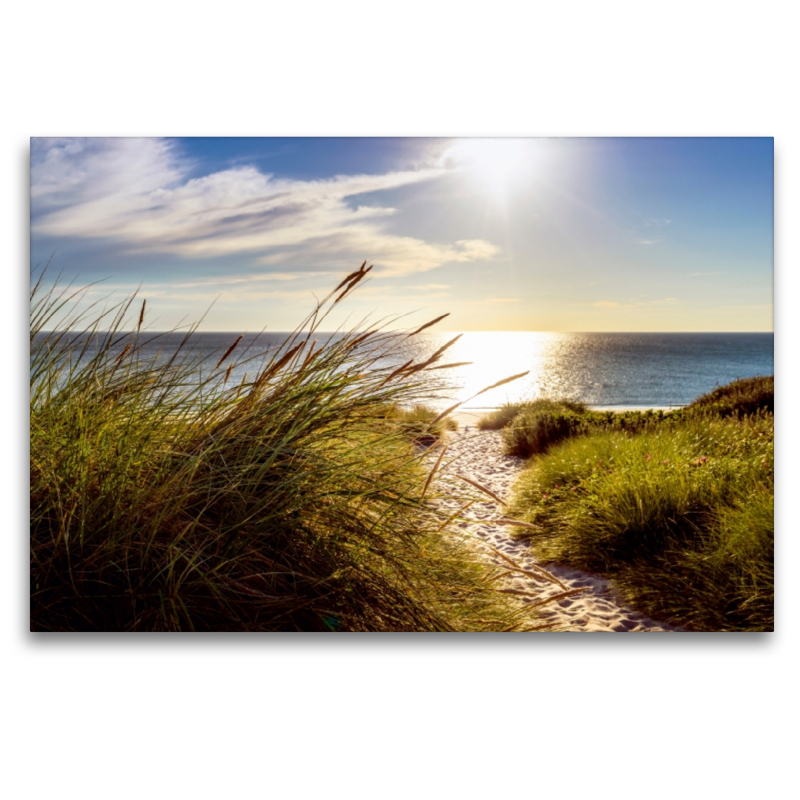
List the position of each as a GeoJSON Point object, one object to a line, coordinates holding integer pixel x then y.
{"type": "Point", "coordinates": [739, 398]}
{"type": "Point", "coordinates": [419, 423]}
{"type": "Point", "coordinates": [287, 502]}
{"type": "Point", "coordinates": [532, 427]}
{"type": "Point", "coordinates": [506, 414]}
{"type": "Point", "coordinates": [679, 514]}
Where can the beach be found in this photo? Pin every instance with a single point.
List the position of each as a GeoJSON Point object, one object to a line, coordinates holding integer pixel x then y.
{"type": "Point", "coordinates": [585, 602]}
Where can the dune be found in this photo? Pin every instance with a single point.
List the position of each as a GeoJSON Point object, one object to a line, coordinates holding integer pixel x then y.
{"type": "Point", "coordinates": [568, 599]}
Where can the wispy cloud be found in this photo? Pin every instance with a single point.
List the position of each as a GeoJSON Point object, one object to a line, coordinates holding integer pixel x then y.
{"type": "Point", "coordinates": [654, 234]}
{"type": "Point", "coordinates": [634, 303]}
{"type": "Point", "coordinates": [138, 192]}
{"type": "Point", "coordinates": [654, 222]}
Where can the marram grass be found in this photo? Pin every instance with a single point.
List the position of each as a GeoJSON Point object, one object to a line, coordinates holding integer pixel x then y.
{"type": "Point", "coordinates": [292, 501]}
{"type": "Point", "coordinates": [679, 513]}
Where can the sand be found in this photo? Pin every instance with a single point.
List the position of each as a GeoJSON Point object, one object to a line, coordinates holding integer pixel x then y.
{"type": "Point", "coordinates": [589, 602]}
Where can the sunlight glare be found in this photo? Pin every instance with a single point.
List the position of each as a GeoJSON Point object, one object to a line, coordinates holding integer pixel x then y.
{"type": "Point", "coordinates": [494, 356]}
{"type": "Point", "coordinates": [496, 163]}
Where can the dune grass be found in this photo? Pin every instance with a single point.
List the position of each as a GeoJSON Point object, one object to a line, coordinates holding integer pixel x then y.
{"type": "Point", "coordinates": [679, 514]}
{"type": "Point", "coordinates": [738, 398]}
{"type": "Point", "coordinates": [287, 502]}
{"type": "Point", "coordinates": [420, 423]}
{"type": "Point", "coordinates": [532, 427]}
{"type": "Point", "coordinates": [507, 413]}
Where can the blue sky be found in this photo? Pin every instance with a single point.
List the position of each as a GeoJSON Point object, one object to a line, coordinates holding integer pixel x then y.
{"type": "Point", "coordinates": [506, 234]}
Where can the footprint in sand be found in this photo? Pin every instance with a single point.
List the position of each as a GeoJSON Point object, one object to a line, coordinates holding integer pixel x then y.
{"type": "Point", "coordinates": [478, 457]}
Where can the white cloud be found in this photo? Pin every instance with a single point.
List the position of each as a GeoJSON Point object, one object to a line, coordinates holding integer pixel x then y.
{"type": "Point", "coordinates": [138, 192]}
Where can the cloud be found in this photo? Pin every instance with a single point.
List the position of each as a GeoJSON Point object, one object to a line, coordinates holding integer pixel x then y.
{"type": "Point", "coordinates": [704, 274]}
{"type": "Point", "coordinates": [634, 304]}
{"type": "Point", "coordinates": [139, 193]}
{"type": "Point", "coordinates": [652, 223]}
{"type": "Point", "coordinates": [229, 280]}
{"type": "Point", "coordinates": [655, 223]}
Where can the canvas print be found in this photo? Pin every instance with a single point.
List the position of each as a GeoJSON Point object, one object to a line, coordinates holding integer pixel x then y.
{"type": "Point", "coordinates": [401, 384]}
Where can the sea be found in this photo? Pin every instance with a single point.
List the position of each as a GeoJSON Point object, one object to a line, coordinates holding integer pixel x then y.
{"type": "Point", "coordinates": [604, 370]}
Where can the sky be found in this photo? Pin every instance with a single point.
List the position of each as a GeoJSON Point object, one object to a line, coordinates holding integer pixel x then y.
{"type": "Point", "coordinates": [580, 234]}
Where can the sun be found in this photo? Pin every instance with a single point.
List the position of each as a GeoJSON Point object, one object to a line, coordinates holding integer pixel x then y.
{"type": "Point", "coordinates": [497, 164]}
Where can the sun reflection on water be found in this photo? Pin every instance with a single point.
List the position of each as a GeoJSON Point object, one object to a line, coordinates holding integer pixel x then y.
{"type": "Point", "coordinates": [603, 369]}
{"type": "Point", "coordinates": [498, 355]}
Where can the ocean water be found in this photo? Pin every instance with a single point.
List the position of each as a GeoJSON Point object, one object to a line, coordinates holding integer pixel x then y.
{"type": "Point", "coordinates": [609, 369]}
{"type": "Point", "coordinates": [614, 370]}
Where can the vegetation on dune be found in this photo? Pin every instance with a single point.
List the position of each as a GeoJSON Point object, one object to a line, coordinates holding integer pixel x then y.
{"type": "Point", "coordinates": [292, 501]}
{"type": "Point", "coordinates": [506, 414]}
{"type": "Point", "coordinates": [677, 510]}
{"type": "Point", "coordinates": [299, 499]}
{"type": "Point", "coordinates": [420, 423]}
{"type": "Point", "coordinates": [739, 398]}
{"type": "Point", "coordinates": [532, 427]}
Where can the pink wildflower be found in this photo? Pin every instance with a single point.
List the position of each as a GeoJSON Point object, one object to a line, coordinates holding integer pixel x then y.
{"type": "Point", "coordinates": [647, 457]}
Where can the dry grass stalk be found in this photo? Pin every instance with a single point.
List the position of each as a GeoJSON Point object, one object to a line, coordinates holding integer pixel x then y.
{"type": "Point", "coordinates": [398, 371]}
{"type": "Point", "coordinates": [446, 412]}
{"type": "Point", "coordinates": [552, 598]}
{"type": "Point", "coordinates": [281, 362]}
{"type": "Point", "coordinates": [542, 570]}
{"type": "Point", "coordinates": [456, 515]}
{"type": "Point", "coordinates": [493, 386]}
{"type": "Point", "coordinates": [518, 523]}
{"type": "Point", "coordinates": [433, 472]}
{"type": "Point", "coordinates": [122, 354]}
{"type": "Point", "coordinates": [500, 383]}
{"type": "Point", "coordinates": [357, 277]}
{"type": "Point", "coordinates": [427, 325]}
{"type": "Point", "coordinates": [438, 354]}
{"type": "Point", "coordinates": [451, 366]}
{"type": "Point", "coordinates": [480, 487]}
{"type": "Point", "coordinates": [349, 278]}
{"type": "Point", "coordinates": [519, 571]}
{"type": "Point", "coordinates": [229, 351]}
{"type": "Point", "coordinates": [359, 339]}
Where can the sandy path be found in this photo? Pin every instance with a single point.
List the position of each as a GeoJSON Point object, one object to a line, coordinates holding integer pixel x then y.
{"type": "Point", "coordinates": [477, 455]}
